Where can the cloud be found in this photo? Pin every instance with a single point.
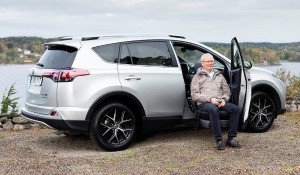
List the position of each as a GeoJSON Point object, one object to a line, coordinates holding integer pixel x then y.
{"type": "Point", "coordinates": [205, 20]}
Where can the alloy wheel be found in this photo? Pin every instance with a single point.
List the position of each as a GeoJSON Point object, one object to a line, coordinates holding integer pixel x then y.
{"type": "Point", "coordinates": [116, 127]}
{"type": "Point", "coordinates": [261, 113]}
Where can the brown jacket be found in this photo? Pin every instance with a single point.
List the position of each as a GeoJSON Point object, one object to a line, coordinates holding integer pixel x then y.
{"type": "Point", "coordinates": [203, 87]}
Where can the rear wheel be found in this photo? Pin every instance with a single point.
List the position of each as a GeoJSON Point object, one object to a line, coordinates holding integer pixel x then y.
{"type": "Point", "coordinates": [113, 127]}
{"type": "Point", "coordinates": [261, 112]}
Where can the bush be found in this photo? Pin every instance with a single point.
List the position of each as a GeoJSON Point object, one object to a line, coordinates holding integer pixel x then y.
{"type": "Point", "coordinates": [291, 81]}
{"type": "Point", "coordinates": [8, 103]}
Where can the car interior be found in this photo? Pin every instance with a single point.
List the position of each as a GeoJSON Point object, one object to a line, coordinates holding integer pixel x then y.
{"type": "Point", "coordinates": [189, 61]}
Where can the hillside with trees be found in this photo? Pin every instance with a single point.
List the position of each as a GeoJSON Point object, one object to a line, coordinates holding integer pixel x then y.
{"type": "Point", "coordinates": [27, 50]}
{"type": "Point", "coordinates": [21, 50]}
{"type": "Point", "coordinates": [263, 53]}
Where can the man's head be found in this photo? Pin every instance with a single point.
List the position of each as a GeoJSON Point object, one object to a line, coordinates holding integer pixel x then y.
{"type": "Point", "coordinates": [207, 62]}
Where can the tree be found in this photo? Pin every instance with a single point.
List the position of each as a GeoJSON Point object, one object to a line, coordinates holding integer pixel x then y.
{"type": "Point", "coordinates": [10, 45]}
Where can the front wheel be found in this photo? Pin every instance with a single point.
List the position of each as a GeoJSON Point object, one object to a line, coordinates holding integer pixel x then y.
{"type": "Point", "coordinates": [113, 127]}
{"type": "Point", "coordinates": [261, 112]}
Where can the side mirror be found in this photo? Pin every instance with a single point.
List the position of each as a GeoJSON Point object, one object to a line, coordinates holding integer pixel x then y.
{"type": "Point", "coordinates": [248, 65]}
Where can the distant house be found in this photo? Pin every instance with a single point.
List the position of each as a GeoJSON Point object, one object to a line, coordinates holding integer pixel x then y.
{"type": "Point", "coordinates": [20, 50]}
{"type": "Point", "coordinates": [37, 55]}
{"type": "Point", "coordinates": [21, 56]}
{"type": "Point", "coordinates": [265, 63]}
{"type": "Point", "coordinates": [27, 52]}
{"type": "Point", "coordinates": [27, 61]}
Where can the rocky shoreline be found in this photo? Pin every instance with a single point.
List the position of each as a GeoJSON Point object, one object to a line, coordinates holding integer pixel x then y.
{"type": "Point", "coordinates": [15, 121]}
{"type": "Point", "coordinates": [293, 105]}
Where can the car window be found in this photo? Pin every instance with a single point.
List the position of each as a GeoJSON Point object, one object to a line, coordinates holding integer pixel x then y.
{"type": "Point", "coordinates": [154, 53]}
{"type": "Point", "coordinates": [125, 57]}
{"type": "Point", "coordinates": [58, 57]}
{"type": "Point", "coordinates": [108, 52]}
{"type": "Point", "coordinates": [191, 55]}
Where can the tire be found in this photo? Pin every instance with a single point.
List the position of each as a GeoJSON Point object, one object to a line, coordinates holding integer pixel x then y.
{"type": "Point", "coordinates": [261, 113]}
{"type": "Point", "coordinates": [113, 127]}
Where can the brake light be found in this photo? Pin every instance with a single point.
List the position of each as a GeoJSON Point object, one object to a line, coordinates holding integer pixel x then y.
{"type": "Point", "coordinates": [65, 75]}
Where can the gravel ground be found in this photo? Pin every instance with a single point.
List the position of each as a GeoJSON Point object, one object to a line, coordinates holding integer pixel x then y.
{"type": "Point", "coordinates": [176, 151]}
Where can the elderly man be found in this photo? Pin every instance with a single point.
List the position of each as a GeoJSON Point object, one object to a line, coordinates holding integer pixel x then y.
{"type": "Point", "coordinates": [211, 92]}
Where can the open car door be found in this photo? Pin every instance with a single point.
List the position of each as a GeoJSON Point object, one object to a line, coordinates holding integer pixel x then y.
{"type": "Point", "coordinates": [240, 81]}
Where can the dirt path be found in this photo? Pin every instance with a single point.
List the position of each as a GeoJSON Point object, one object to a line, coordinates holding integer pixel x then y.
{"type": "Point", "coordinates": [180, 151]}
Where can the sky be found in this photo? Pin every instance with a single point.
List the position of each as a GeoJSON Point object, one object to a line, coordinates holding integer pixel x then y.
{"type": "Point", "coordinates": [199, 20]}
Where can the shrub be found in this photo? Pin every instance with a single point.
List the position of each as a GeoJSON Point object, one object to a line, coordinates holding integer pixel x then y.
{"type": "Point", "coordinates": [291, 81]}
{"type": "Point", "coordinates": [8, 103]}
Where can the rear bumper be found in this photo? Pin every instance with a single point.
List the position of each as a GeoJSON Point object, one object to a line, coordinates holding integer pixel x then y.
{"type": "Point", "coordinates": [55, 122]}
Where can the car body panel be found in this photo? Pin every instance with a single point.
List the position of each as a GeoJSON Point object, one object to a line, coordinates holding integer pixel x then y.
{"type": "Point", "coordinates": [40, 98]}
{"type": "Point", "coordinates": [159, 89]}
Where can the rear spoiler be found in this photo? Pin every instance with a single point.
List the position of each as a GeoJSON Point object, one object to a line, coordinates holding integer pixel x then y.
{"type": "Point", "coordinates": [69, 43]}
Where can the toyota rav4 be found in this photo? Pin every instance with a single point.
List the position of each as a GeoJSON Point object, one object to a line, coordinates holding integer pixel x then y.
{"type": "Point", "coordinates": [114, 87]}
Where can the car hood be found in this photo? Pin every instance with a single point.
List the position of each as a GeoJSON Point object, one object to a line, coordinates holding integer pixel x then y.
{"type": "Point", "coordinates": [261, 70]}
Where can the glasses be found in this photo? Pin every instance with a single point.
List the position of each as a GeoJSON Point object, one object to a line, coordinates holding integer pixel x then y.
{"type": "Point", "coordinates": [208, 61]}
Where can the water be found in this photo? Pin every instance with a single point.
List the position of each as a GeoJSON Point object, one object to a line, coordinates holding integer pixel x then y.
{"type": "Point", "coordinates": [294, 67]}
{"type": "Point", "coordinates": [18, 74]}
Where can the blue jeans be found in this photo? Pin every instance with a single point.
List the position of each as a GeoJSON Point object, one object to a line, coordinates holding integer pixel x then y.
{"type": "Point", "coordinates": [213, 110]}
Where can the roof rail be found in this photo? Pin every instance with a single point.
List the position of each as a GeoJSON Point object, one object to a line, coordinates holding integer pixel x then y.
{"type": "Point", "coordinates": [177, 36]}
{"type": "Point", "coordinates": [143, 34]}
{"type": "Point", "coordinates": [86, 38]}
{"type": "Point", "coordinates": [65, 38]}
{"type": "Point", "coordinates": [90, 38]}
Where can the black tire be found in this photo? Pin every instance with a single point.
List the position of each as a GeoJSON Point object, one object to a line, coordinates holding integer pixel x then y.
{"type": "Point", "coordinates": [113, 127]}
{"type": "Point", "coordinates": [261, 113]}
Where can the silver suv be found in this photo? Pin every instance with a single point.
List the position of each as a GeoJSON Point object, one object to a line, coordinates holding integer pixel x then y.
{"type": "Point", "coordinates": [114, 87]}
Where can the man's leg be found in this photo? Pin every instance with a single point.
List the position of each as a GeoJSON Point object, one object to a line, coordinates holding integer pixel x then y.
{"type": "Point", "coordinates": [234, 112]}
{"type": "Point", "coordinates": [213, 111]}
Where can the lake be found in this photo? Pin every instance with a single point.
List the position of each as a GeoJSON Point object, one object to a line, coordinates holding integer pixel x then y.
{"type": "Point", "coordinates": [18, 74]}
{"type": "Point", "coordinates": [294, 67]}
{"type": "Point", "coordinates": [10, 74]}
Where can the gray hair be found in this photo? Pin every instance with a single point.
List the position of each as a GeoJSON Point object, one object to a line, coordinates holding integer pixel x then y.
{"type": "Point", "coordinates": [205, 55]}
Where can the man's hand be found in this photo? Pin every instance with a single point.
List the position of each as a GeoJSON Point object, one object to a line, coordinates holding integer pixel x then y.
{"type": "Point", "coordinates": [214, 101]}
{"type": "Point", "coordinates": [222, 104]}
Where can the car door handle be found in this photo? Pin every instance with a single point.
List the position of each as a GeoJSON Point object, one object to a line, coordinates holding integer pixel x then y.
{"type": "Point", "coordinates": [132, 78]}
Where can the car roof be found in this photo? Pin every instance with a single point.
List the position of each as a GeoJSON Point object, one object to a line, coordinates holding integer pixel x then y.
{"type": "Point", "coordinates": [92, 41]}
{"type": "Point", "coordinates": [97, 40]}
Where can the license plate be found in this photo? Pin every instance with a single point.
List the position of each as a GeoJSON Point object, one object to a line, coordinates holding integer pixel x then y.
{"type": "Point", "coordinates": [36, 81]}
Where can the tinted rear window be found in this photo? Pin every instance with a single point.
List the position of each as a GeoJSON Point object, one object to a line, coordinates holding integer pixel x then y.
{"type": "Point", "coordinates": [58, 57]}
{"type": "Point", "coordinates": [108, 52]}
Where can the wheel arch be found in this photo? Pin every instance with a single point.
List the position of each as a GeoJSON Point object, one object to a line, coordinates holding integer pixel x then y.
{"type": "Point", "coordinates": [125, 98]}
{"type": "Point", "coordinates": [271, 92]}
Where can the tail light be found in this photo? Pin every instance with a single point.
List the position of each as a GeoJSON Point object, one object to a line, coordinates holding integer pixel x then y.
{"type": "Point", "coordinates": [65, 75]}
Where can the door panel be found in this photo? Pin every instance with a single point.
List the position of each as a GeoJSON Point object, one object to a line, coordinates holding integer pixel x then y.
{"type": "Point", "coordinates": [147, 70]}
{"type": "Point", "coordinates": [240, 81]}
{"type": "Point", "coordinates": [160, 90]}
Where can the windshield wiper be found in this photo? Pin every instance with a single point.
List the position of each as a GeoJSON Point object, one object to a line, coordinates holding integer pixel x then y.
{"type": "Point", "coordinates": [39, 64]}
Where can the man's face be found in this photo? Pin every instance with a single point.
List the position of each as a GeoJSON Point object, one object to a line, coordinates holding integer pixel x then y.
{"type": "Point", "coordinates": [208, 63]}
